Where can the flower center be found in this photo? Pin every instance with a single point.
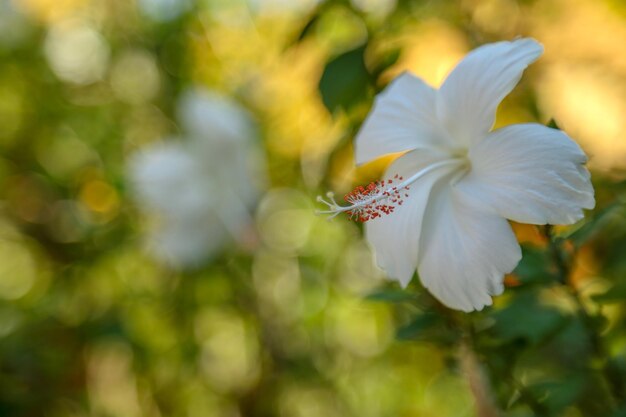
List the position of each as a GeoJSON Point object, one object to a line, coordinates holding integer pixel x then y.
{"type": "Point", "coordinates": [459, 153]}
{"type": "Point", "coordinates": [465, 166]}
{"type": "Point", "coordinates": [381, 197]}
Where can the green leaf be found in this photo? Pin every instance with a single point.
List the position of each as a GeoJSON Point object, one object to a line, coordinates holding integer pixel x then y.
{"type": "Point", "coordinates": [615, 294]}
{"type": "Point", "coordinates": [527, 318]}
{"type": "Point", "coordinates": [385, 61]}
{"type": "Point", "coordinates": [391, 296]}
{"type": "Point", "coordinates": [555, 395]}
{"type": "Point", "coordinates": [592, 226]}
{"type": "Point", "coordinates": [535, 266]}
{"type": "Point", "coordinates": [620, 413]}
{"type": "Point", "coordinates": [418, 327]}
{"type": "Point", "coordinates": [553, 124]}
{"type": "Point", "coordinates": [308, 28]}
{"type": "Point", "coordinates": [428, 327]}
{"type": "Point", "coordinates": [345, 81]}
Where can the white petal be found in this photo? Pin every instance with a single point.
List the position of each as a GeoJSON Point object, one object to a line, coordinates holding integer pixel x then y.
{"type": "Point", "coordinates": [168, 178]}
{"type": "Point", "coordinates": [233, 212]}
{"type": "Point", "coordinates": [464, 252]}
{"type": "Point", "coordinates": [403, 119]}
{"type": "Point", "coordinates": [187, 242]}
{"type": "Point", "coordinates": [214, 121]}
{"type": "Point", "coordinates": [395, 237]}
{"type": "Point", "coordinates": [467, 100]}
{"type": "Point", "coordinates": [530, 174]}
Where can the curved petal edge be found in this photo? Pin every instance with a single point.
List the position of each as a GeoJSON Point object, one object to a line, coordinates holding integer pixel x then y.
{"type": "Point", "coordinates": [529, 173]}
{"type": "Point", "coordinates": [402, 119]}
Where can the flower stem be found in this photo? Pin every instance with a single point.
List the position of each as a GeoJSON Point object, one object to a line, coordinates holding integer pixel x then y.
{"type": "Point", "coordinates": [471, 365]}
{"type": "Point", "coordinates": [477, 379]}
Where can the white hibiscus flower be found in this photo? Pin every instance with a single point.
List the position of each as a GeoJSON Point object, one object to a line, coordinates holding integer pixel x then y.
{"type": "Point", "coordinates": [443, 207]}
{"type": "Point", "coordinates": [202, 187]}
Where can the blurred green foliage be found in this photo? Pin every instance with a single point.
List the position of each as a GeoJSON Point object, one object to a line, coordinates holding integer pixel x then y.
{"type": "Point", "coordinates": [299, 324]}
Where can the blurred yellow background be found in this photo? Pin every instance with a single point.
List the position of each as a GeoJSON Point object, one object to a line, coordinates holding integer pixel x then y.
{"type": "Point", "coordinates": [92, 325]}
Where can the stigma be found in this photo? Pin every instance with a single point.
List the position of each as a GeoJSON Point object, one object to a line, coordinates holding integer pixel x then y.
{"type": "Point", "coordinates": [368, 202]}
{"type": "Point", "coordinates": [380, 198]}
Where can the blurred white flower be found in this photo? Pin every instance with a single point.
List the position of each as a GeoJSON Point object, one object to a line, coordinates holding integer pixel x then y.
{"type": "Point", "coordinates": [202, 187]}
{"type": "Point", "coordinates": [450, 194]}
{"type": "Point", "coordinates": [163, 10]}
{"type": "Point", "coordinates": [14, 27]}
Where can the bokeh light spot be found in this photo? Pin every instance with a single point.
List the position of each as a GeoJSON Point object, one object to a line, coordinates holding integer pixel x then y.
{"type": "Point", "coordinates": [135, 77]}
{"type": "Point", "coordinates": [18, 270]}
{"type": "Point", "coordinates": [100, 197]}
{"type": "Point", "coordinates": [76, 51]}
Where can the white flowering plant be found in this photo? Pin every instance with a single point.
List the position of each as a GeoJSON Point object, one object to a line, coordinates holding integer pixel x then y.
{"type": "Point", "coordinates": [443, 212]}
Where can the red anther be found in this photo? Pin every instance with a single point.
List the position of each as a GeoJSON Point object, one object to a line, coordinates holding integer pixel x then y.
{"type": "Point", "coordinates": [375, 199]}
